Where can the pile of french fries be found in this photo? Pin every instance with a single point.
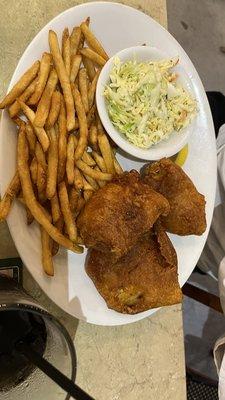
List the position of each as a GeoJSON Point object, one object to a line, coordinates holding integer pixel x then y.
{"type": "Point", "coordinates": [63, 152]}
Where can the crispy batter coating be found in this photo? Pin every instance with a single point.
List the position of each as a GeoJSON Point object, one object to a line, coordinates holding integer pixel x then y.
{"type": "Point", "coordinates": [118, 214]}
{"type": "Point", "coordinates": [144, 278]}
{"type": "Point", "coordinates": [187, 205]}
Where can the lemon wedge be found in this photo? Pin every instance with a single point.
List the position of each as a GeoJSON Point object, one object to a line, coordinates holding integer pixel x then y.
{"type": "Point", "coordinates": [182, 156]}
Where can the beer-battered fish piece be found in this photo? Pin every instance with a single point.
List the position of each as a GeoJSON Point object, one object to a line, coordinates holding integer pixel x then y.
{"type": "Point", "coordinates": [144, 278]}
{"type": "Point", "coordinates": [118, 214]}
{"type": "Point", "coordinates": [187, 205]}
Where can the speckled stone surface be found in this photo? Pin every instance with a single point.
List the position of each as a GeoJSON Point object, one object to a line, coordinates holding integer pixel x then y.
{"type": "Point", "coordinates": [144, 360]}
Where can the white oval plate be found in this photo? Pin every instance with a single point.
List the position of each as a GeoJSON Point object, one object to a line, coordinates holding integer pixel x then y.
{"type": "Point", "coordinates": [117, 27]}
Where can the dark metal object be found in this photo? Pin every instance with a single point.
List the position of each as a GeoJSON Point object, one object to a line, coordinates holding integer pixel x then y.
{"type": "Point", "coordinates": [53, 373]}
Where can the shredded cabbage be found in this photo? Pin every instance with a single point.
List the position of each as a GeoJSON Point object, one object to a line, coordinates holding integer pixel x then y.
{"type": "Point", "coordinates": [145, 101]}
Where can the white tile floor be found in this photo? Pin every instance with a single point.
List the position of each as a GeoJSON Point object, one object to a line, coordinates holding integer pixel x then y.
{"type": "Point", "coordinates": [199, 26]}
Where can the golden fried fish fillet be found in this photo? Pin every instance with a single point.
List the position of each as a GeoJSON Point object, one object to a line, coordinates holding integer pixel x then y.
{"type": "Point", "coordinates": [144, 278]}
{"type": "Point", "coordinates": [187, 205]}
{"type": "Point", "coordinates": [118, 214]}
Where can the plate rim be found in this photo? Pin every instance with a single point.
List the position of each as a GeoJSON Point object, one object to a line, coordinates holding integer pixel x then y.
{"type": "Point", "coordinates": [208, 114]}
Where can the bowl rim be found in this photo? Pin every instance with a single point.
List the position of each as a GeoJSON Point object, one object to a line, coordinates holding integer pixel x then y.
{"type": "Point", "coordinates": [156, 151]}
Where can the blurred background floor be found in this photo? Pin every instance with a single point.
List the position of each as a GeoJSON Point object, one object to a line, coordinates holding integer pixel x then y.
{"type": "Point", "coordinates": [198, 25]}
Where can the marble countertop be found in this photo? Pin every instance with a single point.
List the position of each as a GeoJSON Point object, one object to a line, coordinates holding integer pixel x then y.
{"type": "Point", "coordinates": [144, 360]}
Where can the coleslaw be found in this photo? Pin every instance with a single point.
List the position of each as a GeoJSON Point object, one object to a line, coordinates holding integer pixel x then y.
{"type": "Point", "coordinates": [146, 103]}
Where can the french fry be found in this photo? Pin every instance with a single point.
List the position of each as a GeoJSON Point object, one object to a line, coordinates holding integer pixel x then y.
{"type": "Point", "coordinates": [73, 199]}
{"type": "Point", "coordinates": [99, 161]}
{"type": "Point", "coordinates": [31, 137]}
{"type": "Point", "coordinates": [33, 170]}
{"type": "Point", "coordinates": [45, 100]}
{"type": "Point", "coordinates": [40, 156]}
{"type": "Point", "coordinates": [117, 166]}
{"type": "Point", "coordinates": [45, 212]}
{"type": "Point", "coordinates": [18, 121]}
{"type": "Point", "coordinates": [29, 216]}
{"type": "Point", "coordinates": [54, 109]}
{"type": "Point", "coordinates": [42, 198]}
{"type": "Point", "coordinates": [20, 197]}
{"type": "Point", "coordinates": [75, 40]}
{"type": "Point", "coordinates": [88, 194]}
{"type": "Point", "coordinates": [40, 132]}
{"type": "Point", "coordinates": [93, 173]}
{"type": "Point", "coordinates": [83, 88]}
{"type": "Point", "coordinates": [100, 128]}
{"type": "Point", "coordinates": [66, 49]}
{"type": "Point", "coordinates": [55, 246]}
{"type": "Point", "coordinates": [64, 79]}
{"type": "Point", "coordinates": [10, 194]}
{"type": "Point", "coordinates": [86, 184]}
{"type": "Point", "coordinates": [93, 56]}
{"type": "Point", "coordinates": [91, 115]}
{"type": "Point", "coordinates": [59, 225]}
{"type": "Point", "coordinates": [66, 211]}
{"type": "Point", "coordinates": [14, 109]}
{"type": "Point", "coordinates": [55, 208]}
{"type": "Point", "coordinates": [75, 65]}
{"type": "Point", "coordinates": [92, 90]}
{"type": "Point", "coordinates": [82, 38]}
{"type": "Point", "coordinates": [87, 158]}
{"type": "Point", "coordinates": [52, 164]}
{"type": "Point", "coordinates": [92, 182]}
{"type": "Point", "coordinates": [82, 142]}
{"type": "Point", "coordinates": [100, 183]}
{"type": "Point", "coordinates": [92, 41]}
{"type": "Point", "coordinates": [46, 243]}
{"type": "Point", "coordinates": [21, 85]}
{"type": "Point", "coordinates": [62, 140]}
{"type": "Point", "coordinates": [45, 66]}
{"type": "Point", "coordinates": [41, 182]}
{"type": "Point", "coordinates": [70, 160]}
{"type": "Point", "coordinates": [78, 181]}
{"type": "Point", "coordinates": [30, 199]}
{"type": "Point", "coordinates": [106, 153]}
{"type": "Point", "coordinates": [90, 68]}
{"type": "Point", "coordinates": [93, 137]}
